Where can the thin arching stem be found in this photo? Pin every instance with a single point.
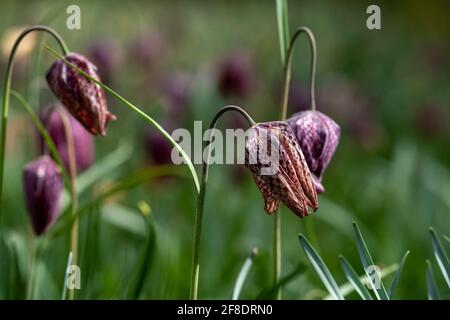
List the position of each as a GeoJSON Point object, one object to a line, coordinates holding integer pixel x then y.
{"type": "Point", "coordinates": [288, 67]}
{"type": "Point", "coordinates": [7, 89]}
{"type": "Point", "coordinates": [284, 105]}
{"type": "Point", "coordinates": [201, 196]}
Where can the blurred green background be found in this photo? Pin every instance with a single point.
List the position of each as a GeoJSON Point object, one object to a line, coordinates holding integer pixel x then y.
{"type": "Point", "coordinates": [388, 89]}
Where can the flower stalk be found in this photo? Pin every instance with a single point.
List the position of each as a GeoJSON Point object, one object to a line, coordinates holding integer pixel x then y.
{"type": "Point", "coordinates": [201, 197]}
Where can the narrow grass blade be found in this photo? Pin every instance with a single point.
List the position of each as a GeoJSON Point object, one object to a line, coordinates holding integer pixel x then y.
{"type": "Point", "coordinates": [283, 28]}
{"type": "Point", "coordinates": [320, 268]}
{"type": "Point", "coordinates": [145, 262]}
{"type": "Point", "coordinates": [69, 263]}
{"type": "Point", "coordinates": [432, 290]}
{"type": "Point", "coordinates": [270, 292]}
{"type": "Point", "coordinates": [368, 265]}
{"type": "Point", "coordinates": [397, 275]}
{"type": "Point", "coordinates": [149, 119]}
{"type": "Point", "coordinates": [353, 278]}
{"type": "Point", "coordinates": [348, 288]}
{"type": "Point", "coordinates": [441, 256]}
{"type": "Point", "coordinates": [243, 274]}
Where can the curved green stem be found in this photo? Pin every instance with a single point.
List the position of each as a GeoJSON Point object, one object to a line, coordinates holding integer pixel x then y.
{"type": "Point", "coordinates": [6, 92]}
{"type": "Point", "coordinates": [284, 106]}
{"type": "Point", "coordinates": [288, 67]}
{"type": "Point", "coordinates": [141, 113]}
{"type": "Point", "coordinates": [201, 197]}
{"type": "Point", "coordinates": [73, 190]}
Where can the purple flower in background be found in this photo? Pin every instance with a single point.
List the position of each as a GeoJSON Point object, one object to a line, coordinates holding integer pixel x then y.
{"type": "Point", "coordinates": [147, 49]}
{"type": "Point", "coordinates": [43, 188]}
{"type": "Point", "coordinates": [432, 120]}
{"type": "Point", "coordinates": [291, 183]}
{"type": "Point", "coordinates": [105, 55]}
{"type": "Point", "coordinates": [176, 88]}
{"type": "Point", "coordinates": [318, 136]}
{"type": "Point", "coordinates": [158, 149]}
{"type": "Point", "coordinates": [235, 77]}
{"type": "Point", "coordinates": [85, 100]}
{"type": "Point", "coordinates": [83, 141]}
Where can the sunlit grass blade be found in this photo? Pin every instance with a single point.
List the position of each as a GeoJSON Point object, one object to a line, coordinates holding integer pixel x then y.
{"type": "Point", "coordinates": [348, 288]}
{"type": "Point", "coordinates": [149, 119]}
{"type": "Point", "coordinates": [432, 290]}
{"type": "Point", "coordinates": [397, 275]}
{"type": "Point", "coordinates": [441, 256]}
{"type": "Point", "coordinates": [283, 28]}
{"type": "Point", "coordinates": [69, 263]}
{"type": "Point", "coordinates": [320, 268]}
{"type": "Point", "coordinates": [368, 265]}
{"type": "Point", "coordinates": [243, 274]}
{"type": "Point", "coordinates": [353, 278]}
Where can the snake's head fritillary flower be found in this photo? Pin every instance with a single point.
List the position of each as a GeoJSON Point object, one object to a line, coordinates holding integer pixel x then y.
{"type": "Point", "coordinates": [43, 188]}
{"type": "Point", "coordinates": [85, 99]}
{"type": "Point", "coordinates": [291, 182]}
{"type": "Point", "coordinates": [235, 75]}
{"type": "Point", "coordinates": [318, 136]}
{"type": "Point", "coordinates": [82, 139]}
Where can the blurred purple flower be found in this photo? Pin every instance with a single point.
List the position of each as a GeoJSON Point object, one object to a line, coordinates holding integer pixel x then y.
{"type": "Point", "coordinates": [318, 136]}
{"type": "Point", "coordinates": [106, 56]}
{"type": "Point", "coordinates": [432, 120]}
{"type": "Point", "coordinates": [292, 183]}
{"type": "Point", "coordinates": [158, 149]}
{"type": "Point", "coordinates": [85, 100]}
{"type": "Point", "coordinates": [43, 188]}
{"type": "Point", "coordinates": [82, 139]}
{"type": "Point", "coordinates": [147, 49]}
{"type": "Point", "coordinates": [235, 75]}
{"type": "Point", "coordinates": [176, 88]}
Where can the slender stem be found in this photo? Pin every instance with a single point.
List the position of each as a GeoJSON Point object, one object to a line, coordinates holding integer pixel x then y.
{"type": "Point", "coordinates": [284, 106]}
{"type": "Point", "coordinates": [288, 68]}
{"type": "Point", "coordinates": [30, 285]}
{"type": "Point", "coordinates": [73, 189]}
{"type": "Point", "coordinates": [201, 198]}
{"type": "Point", "coordinates": [6, 92]}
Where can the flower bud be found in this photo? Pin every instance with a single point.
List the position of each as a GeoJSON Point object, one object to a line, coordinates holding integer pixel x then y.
{"type": "Point", "coordinates": [43, 188]}
{"type": "Point", "coordinates": [82, 140]}
{"type": "Point", "coordinates": [292, 182]}
{"type": "Point", "coordinates": [85, 100]}
{"type": "Point", "coordinates": [318, 136]}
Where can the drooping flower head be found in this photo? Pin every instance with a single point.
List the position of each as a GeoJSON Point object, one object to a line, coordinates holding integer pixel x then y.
{"type": "Point", "coordinates": [43, 188]}
{"type": "Point", "coordinates": [85, 100]}
{"type": "Point", "coordinates": [274, 143]}
{"type": "Point", "coordinates": [82, 139]}
{"type": "Point", "coordinates": [318, 136]}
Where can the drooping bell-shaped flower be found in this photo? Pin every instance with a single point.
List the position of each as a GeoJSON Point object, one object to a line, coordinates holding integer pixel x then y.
{"type": "Point", "coordinates": [85, 100]}
{"type": "Point", "coordinates": [82, 140]}
{"type": "Point", "coordinates": [43, 188]}
{"type": "Point", "coordinates": [318, 136]}
{"type": "Point", "coordinates": [279, 168]}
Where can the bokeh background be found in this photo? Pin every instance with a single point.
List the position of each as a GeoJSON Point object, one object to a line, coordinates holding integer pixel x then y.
{"type": "Point", "coordinates": [181, 61]}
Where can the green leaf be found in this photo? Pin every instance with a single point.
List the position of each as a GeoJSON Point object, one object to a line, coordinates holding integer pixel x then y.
{"type": "Point", "coordinates": [397, 275]}
{"type": "Point", "coordinates": [270, 292]}
{"type": "Point", "coordinates": [283, 28]}
{"type": "Point", "coordinates": [66, 274]}
{"type": "Point", "coordinates": [433, 293]}
{"type": "Point", "coordinates": [320, 268]}
{"type": "Point", "coordinates": [353, 278]}
{"type": "Point", "coordinates": [441, 256]}
{"type": "Point", "coordinates": [145, 262]}
{"type": "Point", "coordinates": [243, 274]}
{"type": "Point", "coordinates": [125, 219]}
{"type": "Point", "coordinates": [368, 264]}
{"type": "Point", "coordinates": [149, 119]}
